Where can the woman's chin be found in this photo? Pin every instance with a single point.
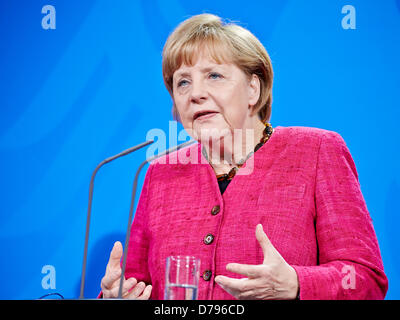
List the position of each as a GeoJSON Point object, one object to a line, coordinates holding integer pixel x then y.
{"type": "Point", "coordinates": [211, 134]}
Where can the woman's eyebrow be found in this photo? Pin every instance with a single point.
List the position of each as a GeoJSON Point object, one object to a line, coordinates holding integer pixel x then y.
{"type": "Point", "coordinates": [208, 69]}
{"type": "Point", "coordinates": [182, 74]}
{"type": "Point", "coordinates": [204, 70]}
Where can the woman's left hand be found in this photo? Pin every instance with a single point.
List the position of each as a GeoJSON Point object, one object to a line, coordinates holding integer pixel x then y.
{"type": "Point", "coordinates": [273, 279]}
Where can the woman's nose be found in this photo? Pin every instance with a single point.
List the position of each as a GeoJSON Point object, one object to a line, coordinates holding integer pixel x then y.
{"type": "Point", "coordinates": [199, 92]}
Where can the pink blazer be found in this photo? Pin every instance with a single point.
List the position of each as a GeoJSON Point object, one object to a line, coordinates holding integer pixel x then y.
{"type": "Point", "coordinates": [303, 189]}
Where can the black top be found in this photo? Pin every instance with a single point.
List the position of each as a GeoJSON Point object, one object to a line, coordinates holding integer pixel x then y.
{"type": "Point", "coordinates": [223, 184]}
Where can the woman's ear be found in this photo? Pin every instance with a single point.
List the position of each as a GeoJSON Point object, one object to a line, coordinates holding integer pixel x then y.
{"type": "Point", "coordinates": [254, 90]}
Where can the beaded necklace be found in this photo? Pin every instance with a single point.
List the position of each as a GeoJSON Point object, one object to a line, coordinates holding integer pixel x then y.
{"type": "Point", "coordinates": [267, 132]}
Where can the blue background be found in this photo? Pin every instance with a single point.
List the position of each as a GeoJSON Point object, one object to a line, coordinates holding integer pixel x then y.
{"type": "Point", "coordinates": [92, 87]}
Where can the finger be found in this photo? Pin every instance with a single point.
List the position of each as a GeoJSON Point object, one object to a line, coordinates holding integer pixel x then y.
{"type": "Point", "coordinates": [146, 293]}
{"type": "Point", "coordinates": [248, 270]}
{"type": "Point", "coordinates": [111, 279]}
{"type": "Point", "coordinates": [231, 285]}
{"type": "Point", "coordinates": [264, 242]}
{"type": "Point", "coordinates": [126, 286]}
{"type": "Point", "coordinates": [114, 261]}
{"type": "Point", "coordinates": [137, 291]}
{"type": "Point", "coordinates": [130, 283]}
{"type": "Point", "coordinates": [243, 288]}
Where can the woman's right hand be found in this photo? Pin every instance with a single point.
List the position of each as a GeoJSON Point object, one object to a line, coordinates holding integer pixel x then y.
{"type": "Point", "coordinates": [131, 289]}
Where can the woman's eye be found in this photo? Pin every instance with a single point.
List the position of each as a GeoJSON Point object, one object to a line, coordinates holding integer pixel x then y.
{"type": "Point", "coordinates": [215, 75]}
{"type": "Point", "coordinates": [182, 83]}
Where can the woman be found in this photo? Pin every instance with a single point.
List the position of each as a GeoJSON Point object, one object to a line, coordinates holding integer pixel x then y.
{"type": "Point", "coordinates": [279, 217]}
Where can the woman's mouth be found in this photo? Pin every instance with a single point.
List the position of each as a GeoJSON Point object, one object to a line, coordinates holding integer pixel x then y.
{"type": "Point", "coordinates": [204, 115]}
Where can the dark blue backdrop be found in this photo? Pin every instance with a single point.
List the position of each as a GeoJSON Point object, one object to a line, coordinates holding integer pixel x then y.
{"type": "Point", "coordinates": [91, 87]}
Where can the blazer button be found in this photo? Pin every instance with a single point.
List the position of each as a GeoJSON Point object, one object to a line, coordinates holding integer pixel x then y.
{"type": "Point", "coordinates": [207, 275]}
{"type": "Point", "coordinates": [215, 210]}
{"type": "Point", "coordinates": [208, 239]}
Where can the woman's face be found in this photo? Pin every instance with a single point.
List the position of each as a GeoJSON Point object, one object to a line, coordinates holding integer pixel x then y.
{"type": "Point", "coordinates": [210, 96]}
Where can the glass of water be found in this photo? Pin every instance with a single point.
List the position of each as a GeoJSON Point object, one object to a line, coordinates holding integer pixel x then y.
{"type": "Point", "coordinates": [182, 278]}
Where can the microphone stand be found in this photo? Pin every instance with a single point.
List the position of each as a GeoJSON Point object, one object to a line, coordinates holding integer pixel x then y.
{"type": "Point", "coordinates": [128, 233]}
{"type": "Point", "coordinates": [123, 153]}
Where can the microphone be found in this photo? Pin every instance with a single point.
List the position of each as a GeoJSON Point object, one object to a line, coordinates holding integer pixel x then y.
{"type": "Point", "coordinates": [123, 153]}
{"type": "Point", "coordinates": [128, 232]}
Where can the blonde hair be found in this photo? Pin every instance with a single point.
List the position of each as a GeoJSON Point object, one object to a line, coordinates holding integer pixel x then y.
{"type": "Point", "coordinates": [225, 42]}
